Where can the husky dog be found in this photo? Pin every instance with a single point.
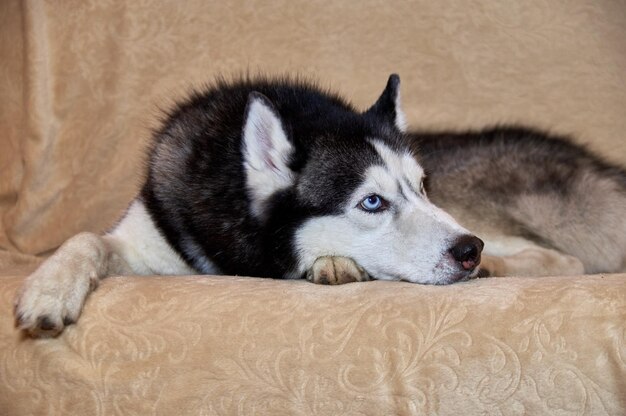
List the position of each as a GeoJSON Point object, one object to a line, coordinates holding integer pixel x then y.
{"type": "Point", "coordinates": [279, 178]}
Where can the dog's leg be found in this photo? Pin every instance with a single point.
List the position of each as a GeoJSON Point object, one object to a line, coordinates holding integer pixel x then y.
{"type": "Point", "coordinates": [331, 270]}
{"type": "Point", "coordinates": [52, 297]}
{"type": "Point", "coordinates": [535, 261]}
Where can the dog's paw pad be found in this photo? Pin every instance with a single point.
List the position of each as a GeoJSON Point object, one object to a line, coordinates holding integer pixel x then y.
{"type": "Point", "coordinates": [331, 270]}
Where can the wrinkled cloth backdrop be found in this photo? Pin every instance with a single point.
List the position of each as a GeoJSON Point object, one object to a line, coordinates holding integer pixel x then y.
{"type": "Point", "coordinates": [83, 81]}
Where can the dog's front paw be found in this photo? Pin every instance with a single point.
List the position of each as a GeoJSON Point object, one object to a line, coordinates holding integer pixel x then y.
{"type": "Point", "coordinates": [331, 270]}
{"type": "Point", "coordinates": [52, 298]}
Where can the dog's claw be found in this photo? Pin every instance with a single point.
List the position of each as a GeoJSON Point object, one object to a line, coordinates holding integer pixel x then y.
{"type": "Point", "coordinates": [483, 272]}
{"type": "Point", "coordinates": [45, 323]}
{"type": "Point", "coordinates": [331, 270]}
{"type": "Point", "coordinates": [19, 320]}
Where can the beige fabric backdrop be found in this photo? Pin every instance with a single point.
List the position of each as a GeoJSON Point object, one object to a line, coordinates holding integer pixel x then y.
{"type": "Point", "coordinates": [82, 81]}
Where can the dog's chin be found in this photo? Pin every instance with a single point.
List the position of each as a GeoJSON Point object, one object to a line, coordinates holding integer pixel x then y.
{"type": "Point", "coordinates": [461, 276]}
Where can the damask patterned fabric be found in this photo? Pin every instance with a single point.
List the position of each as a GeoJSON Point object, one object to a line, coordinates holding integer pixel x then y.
{"type": "Point", "coordinates": [226, 345]}
{"type": "Point", "coordinates": [83, 81]}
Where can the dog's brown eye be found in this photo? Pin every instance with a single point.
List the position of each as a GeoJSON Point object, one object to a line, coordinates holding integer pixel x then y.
{"type": "Point", "coordinates": [373, 203]}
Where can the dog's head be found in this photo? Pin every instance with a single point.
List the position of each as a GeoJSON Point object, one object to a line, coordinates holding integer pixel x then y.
{"type": "Point", "coordinates": [359, 192]}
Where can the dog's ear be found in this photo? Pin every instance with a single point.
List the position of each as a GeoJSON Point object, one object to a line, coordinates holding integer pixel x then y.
{"type": "Point", "coordinates": [266, 152]}
{"type": "Point", "coordinates": [388, 104]}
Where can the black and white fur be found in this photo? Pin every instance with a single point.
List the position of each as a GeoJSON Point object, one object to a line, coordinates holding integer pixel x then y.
{"type": "Point", "coordinates": [278, 178]}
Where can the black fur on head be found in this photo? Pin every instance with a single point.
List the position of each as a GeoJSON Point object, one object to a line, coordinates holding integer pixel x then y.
{"type": "Point", "coordinates": [197, 184]}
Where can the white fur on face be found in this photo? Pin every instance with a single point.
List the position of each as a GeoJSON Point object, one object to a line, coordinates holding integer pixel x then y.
{"type": "Point", "coordinates": [266, 153]}
{"type": "Point", "coordinates": [408, 241]}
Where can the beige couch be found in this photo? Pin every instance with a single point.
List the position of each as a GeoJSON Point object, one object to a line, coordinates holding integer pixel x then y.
{"type": "Point", "coordinates": [80, 87]}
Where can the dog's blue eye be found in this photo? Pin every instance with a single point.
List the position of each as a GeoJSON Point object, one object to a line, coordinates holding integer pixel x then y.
{"type": "Point", "coordinates": [373, 203]}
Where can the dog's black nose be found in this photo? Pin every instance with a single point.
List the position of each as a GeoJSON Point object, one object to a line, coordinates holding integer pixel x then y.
{"type": "Point", "coordinates": [466, 250]}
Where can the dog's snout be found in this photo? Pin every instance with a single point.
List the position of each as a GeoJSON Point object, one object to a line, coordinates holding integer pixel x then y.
{"type": "Point", "coordinates": [466, 250]}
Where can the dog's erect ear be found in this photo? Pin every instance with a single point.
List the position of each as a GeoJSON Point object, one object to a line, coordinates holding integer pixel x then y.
{"type": "Point", "coordinates": [266, 152]}
{"type": "Point", "coordinates": [388, 104]}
